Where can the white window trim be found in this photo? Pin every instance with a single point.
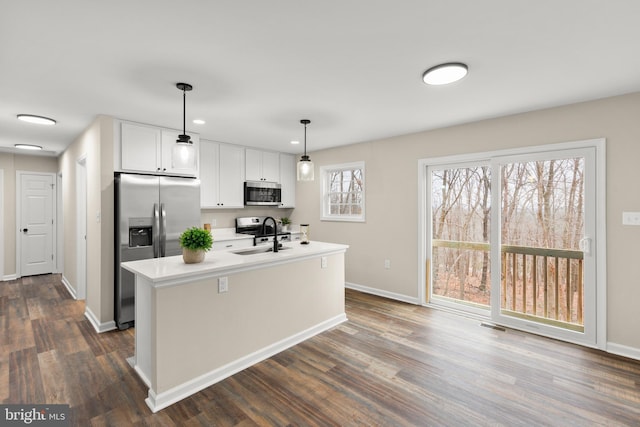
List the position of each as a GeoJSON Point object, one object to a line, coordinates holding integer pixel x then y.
{"type": "Point", "coordinates": [323, 194]}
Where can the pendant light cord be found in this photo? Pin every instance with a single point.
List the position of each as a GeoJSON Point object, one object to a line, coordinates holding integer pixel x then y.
{"type": "Point", "coordinates": [184, 111]}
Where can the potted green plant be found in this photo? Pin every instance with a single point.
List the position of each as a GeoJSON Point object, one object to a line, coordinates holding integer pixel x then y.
{"type": "Point", "coordinates": [195, 242]}
{"type": "Point", "coordinates": [285, 223]}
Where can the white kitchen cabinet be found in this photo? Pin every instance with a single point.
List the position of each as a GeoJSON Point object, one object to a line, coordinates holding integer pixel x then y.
{"type": "Point", "coordinates": [140, 147]}
{"type": "Point", "coordinates": [145, 148]}
{"type": "Point", "coordinates": [262, 165]}
{"type": "Point", "coordinates": [221, 175]}
{"type": "Point", "coordinates": [288, 180]}
{"type": "Point", "coordinates": [209, 152]}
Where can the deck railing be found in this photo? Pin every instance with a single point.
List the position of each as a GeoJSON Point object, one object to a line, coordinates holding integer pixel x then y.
{"type": "Point", "coordinates": [535, 282]}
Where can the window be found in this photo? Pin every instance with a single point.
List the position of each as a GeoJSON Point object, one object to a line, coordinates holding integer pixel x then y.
{"type": "Point", "coordinates": [343, 192]}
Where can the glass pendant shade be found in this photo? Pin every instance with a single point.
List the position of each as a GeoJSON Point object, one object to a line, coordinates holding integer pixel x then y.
{"type": "Point", "coordinates": [183, 156]}
{"type": "Point", "coordinates": [305, 169]}
{"type": "Point", "coordinates": [305, 165]}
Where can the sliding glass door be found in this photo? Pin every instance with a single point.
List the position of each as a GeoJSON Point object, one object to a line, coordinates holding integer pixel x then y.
{"type": "Point", "coordinates": [511, 238]}
{"type": "Point", "coordinates": [546, 224]}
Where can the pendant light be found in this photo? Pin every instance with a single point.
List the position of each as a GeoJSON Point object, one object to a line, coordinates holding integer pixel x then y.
{"type": "Point", "coordinates": [305, 165]}
{"type": "Point", "coordinates": [183, 154]}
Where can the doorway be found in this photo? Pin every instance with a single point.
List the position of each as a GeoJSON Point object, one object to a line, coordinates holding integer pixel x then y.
{"type": "Point", "coordinates": [513, 237]}
{"type": "Point", "coordinates": [35, 213]}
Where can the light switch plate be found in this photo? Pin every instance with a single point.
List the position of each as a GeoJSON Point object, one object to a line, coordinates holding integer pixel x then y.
{"type": "Point", "coordinates": [630, 218]}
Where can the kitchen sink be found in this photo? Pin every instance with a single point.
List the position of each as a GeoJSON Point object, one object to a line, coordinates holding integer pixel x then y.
{"type": "Point", "coordinates": [258, 250]}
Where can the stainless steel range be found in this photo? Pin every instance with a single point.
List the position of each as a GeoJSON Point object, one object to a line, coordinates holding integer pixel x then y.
{"type": "Point", "coordinates": [263, 233]}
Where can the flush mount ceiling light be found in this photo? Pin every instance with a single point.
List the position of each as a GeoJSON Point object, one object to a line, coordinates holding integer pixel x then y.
{"type": "Point", "coordinates": [199, 121]}
{"type": "Point", "coordinates": [305, 165]}
{"type": "Point", "coordinates": [183, 155]}
{"type": "Point", "coordinates": [39, 120]}
{"type": "Point", "coordinates": [445, 73]}
{"type": "Point", "coordinates": [28, 147]}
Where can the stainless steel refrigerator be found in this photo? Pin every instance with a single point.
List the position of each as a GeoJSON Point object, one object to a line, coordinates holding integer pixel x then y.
{"type": "Point", "coordinates": [150, 214]}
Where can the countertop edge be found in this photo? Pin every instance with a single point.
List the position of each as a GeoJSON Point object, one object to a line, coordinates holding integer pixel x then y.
{"type": "Point", "coordinates": [242, 265]}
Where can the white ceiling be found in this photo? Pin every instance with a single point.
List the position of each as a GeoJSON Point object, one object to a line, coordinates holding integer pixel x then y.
{"type": "Point", "coordinates": [353, 67]}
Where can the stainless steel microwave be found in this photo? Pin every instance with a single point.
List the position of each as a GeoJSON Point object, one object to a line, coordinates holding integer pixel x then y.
{"type": "Point", "coordinates": [259, 193]}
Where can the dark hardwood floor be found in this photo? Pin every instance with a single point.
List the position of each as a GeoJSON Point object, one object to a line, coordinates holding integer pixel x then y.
{"type": "Point", "coordinates": [391, 364]}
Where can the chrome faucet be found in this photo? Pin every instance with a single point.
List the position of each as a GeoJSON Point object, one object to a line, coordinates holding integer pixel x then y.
{"type": "Point", "coordinates": [275, 231]}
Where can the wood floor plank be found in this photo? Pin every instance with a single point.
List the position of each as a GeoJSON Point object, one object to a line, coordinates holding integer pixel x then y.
{"type": "Point", "coordinates": [391, 364]}
{"type": "Point", "coordinates": [25, 383]}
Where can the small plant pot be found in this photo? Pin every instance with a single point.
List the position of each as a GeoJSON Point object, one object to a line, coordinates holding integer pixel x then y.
{"type": "Point", "coordinates": [191, 256]}
{"type": "Point", "coordinates": [285, 227]}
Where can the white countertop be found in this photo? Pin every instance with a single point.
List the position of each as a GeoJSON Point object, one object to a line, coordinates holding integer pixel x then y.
{"type": "Point", "coordinates": [171, 271]}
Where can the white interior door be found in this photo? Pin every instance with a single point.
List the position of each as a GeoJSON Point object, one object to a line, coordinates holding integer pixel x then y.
{"type": "Point", "coordinates": [36, 230]}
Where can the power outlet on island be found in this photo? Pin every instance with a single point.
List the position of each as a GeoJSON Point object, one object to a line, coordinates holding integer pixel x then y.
{"type": "Point", "coordinates": [323, 262]}
{"type": "Point", "coordinates": [223, 284]}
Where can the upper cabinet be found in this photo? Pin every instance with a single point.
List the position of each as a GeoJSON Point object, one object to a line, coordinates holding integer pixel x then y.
{"type": "Point", "coordinates": [149, 149]}
{"type": "Point", "coordinates": [221, 175]}
{"type": "Point", "coordinates": [140, 147]}
{"type": "Point", "coordinates": [262, 165]}
{"type": "Point", "coordinates": [288, 180]}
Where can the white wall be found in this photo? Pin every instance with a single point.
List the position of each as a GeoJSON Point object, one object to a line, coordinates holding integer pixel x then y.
{"type": "Point", "coordinates": [391, 227]}
{"type": "Point", "coordinates": [96, 143]}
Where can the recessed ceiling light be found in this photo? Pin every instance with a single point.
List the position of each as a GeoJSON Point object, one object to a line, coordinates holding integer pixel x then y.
{"type": "Point", "coordinates": [39, 120]}
{"type": "Point", "coordinates": [199, 121]}
{"type": "Point", "coordinates": [28, 147]}
{"type": "Point", "coordinates": [295, 142]}
{"type": "Point", "coordinates": [445, 73]}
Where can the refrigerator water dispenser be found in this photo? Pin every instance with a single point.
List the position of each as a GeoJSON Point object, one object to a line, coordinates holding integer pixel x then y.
{"type": "Point", "coordinates": [140, 232]}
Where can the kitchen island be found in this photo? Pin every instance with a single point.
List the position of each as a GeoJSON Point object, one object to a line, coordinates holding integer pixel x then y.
{"type": "Point", "coordinates": [197, 324]}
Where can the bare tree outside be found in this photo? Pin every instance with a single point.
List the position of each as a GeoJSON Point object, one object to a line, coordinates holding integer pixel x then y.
{"type": "Point", "coordinates": [346, 188]}
{"type": "Point", "coordinates": [542, 224]}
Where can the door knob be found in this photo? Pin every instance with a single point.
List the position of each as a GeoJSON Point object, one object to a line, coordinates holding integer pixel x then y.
{"type": "Point", "coordinates": [24, 230]}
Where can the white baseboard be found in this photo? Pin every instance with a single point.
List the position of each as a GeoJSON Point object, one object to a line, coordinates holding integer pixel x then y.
{"type": "Point", "coordinates": [382, 293]}
{"type": "Point", "coordinates": [9, 277]}
{"type": "Point", "coordinates": [70, 289]}
{"type": "Point", "coordinates": [161, 400]}
{"type": "Point", "coordinates": [623, 350]}
{"type": "Point", "coordinates": [99, 327]}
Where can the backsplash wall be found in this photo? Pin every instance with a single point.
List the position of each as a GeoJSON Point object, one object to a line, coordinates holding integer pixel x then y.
{"type": "Point", "coordinates": [226, 218]}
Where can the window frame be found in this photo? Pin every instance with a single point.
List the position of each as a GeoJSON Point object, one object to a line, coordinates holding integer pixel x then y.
{"type": "Point", "coordinates": [325, 171]}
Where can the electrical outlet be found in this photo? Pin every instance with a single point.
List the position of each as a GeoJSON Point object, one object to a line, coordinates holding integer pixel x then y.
{"type": "Point", "coordinates": [387, 264]}
{"type": "Point", "coordinates": [323, 262]}
{"type": "Point", "coordinates": [213, 222]}
{"type": "Point", "coordinates": [223, 284]}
